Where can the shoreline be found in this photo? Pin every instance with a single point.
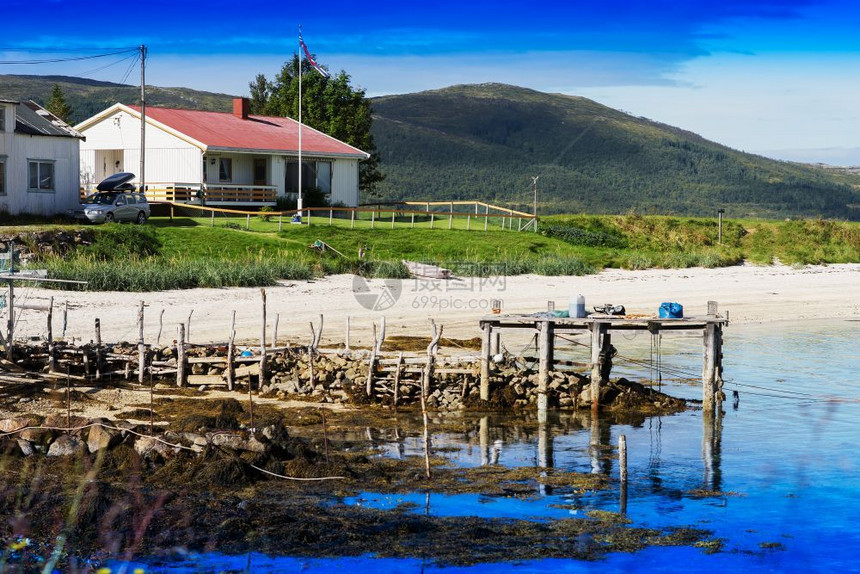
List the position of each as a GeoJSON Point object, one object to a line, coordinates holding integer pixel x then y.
{"type": "Point", "coordinates": [751, 294]}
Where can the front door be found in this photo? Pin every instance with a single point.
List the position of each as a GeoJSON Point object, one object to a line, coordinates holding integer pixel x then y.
{"type": "Point", "coordinates": [260, 171]}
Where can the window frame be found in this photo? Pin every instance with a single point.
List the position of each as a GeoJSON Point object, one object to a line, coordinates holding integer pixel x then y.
{"type": "Point", "coordinates": [228, 162]}
{"type": "Point", "coordinates": [3, 174]}
{"type": "Point", "coordinates": [39, 163]}
{"type": "Point", "coordinates": [311, 168]}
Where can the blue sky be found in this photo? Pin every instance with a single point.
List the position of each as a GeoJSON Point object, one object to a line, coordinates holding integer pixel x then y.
{"type": "Point", "coordinates": [779, 78]}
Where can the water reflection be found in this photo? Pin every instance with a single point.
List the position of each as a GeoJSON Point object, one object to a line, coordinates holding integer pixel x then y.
{"type": "Point", "coordinates": [712, 438]}
{"type": "Point", "coordinates": [571, 442]}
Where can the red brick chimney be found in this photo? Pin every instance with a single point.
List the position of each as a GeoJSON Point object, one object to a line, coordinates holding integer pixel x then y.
{"type": "Point", "coordinates": [240, 107]}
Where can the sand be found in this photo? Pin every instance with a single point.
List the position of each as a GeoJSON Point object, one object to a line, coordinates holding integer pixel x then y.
{"type": "Point", "coordinates": [751, 294]}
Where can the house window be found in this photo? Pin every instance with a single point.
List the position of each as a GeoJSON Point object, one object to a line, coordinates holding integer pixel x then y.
{"type": "Point", "coordinates": [2, 175]}
{"type": "Point", "coordinates": [225, 169]}
{"type": "Point", "coordinates": [324, 176]}
{"type": "Point", "coordinates": [314, 174]}
{"type": "Point", "coordinates": [2, 118]}
{"type": "Point", "coordinates": [41, 175]}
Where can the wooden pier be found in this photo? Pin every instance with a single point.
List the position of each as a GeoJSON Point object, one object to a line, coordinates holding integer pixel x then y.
{"type": "Point", "coordinates": [547, 326]}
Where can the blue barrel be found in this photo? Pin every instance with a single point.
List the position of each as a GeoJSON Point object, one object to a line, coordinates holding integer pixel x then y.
{"type": "Point", "coordinates": [671, 311]}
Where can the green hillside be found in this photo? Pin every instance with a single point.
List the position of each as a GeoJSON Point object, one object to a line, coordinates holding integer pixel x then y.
{"type": "Point", "coordinates": [487, 141]}
{"type": "Point", "coordinates": [88, 97]}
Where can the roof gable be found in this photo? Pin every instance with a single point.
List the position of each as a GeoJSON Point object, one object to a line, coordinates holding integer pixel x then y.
{"type": "Point", "coordinates": [32, 119]}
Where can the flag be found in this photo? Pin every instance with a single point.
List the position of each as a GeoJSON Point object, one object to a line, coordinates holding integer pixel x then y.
{"type": "Point", "coordinates": [316, 66]}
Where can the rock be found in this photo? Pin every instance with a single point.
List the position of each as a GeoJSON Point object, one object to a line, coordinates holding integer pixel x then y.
{"type": "Point", "coordinates": [26, 447]}
{"type": "Point", "coordinates": [100, 437]}
{"type": "Point", "coordinates": [17, 423]}
{"type": "Point", "coordinates": [59, 421]}
{"type": "Point", "coordinates": [151, 448]}
{"type": "Point", "coordinates": [237, 442]}
{"type": "Point", "coordinates": [585, 396]}
{"type": "Point", "coordinates": [66, 445]}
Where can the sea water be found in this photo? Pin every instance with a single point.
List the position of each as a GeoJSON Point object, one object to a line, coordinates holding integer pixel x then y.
{"type": "Point", "coordinates": [783, 460]}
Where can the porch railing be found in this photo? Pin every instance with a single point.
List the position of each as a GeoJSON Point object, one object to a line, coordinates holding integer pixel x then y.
{"type": "Point", "coordinates": [179, 192]}
{"type": "Point", "coordinates": [220, 193]}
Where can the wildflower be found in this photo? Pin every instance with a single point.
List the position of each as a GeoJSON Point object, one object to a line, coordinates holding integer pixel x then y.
{"type": "Point", "coordinates": [19, 544]}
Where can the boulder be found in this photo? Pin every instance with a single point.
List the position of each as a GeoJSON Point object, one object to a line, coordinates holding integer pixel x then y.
{"type": "Point", "coordinates": [66, 445]}
{"type": "Point", "coordinates": [100, 437]}
{"type": "Point", "coordinates": [237, 442]}
{"type": "Point", "coordinates": [18, 423]}
{"type": "Point", "coordinates": [151, 448]}
{"type": "Point", "coordinates": [26, 447]}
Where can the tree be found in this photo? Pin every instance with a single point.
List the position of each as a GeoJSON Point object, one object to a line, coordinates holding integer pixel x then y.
{"type": "Point", "coordinates": [57, 105]}
{"type": "Point", "coordinates": [260, 90]}
{"type": "Point", "coordinates": [330, 105]}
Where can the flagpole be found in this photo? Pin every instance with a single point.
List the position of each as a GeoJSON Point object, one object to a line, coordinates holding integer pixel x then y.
{"type": "Point", "coordinates": [299, 203]}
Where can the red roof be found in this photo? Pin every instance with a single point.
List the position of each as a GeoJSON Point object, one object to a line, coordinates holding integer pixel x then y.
{"type": "Point", "coordinates": [219, 130]}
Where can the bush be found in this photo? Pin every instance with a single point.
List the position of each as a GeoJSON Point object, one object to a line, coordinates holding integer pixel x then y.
{"type": "Point", "coordinates": [121, 242]}
{"type": "Point", "coordinates": [578, 236]}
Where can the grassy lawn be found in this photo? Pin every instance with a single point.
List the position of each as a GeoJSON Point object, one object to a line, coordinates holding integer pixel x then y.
{"type": "Point", "coordinates": [189, 252]}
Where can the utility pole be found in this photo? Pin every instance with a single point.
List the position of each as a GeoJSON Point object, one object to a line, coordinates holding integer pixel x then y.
{"type": "Point", "coordinates": [142, 117]}
{"type": "Point", "coordinates": [534, 187]}
{"type": "Point", "coordinates": [720, 213]}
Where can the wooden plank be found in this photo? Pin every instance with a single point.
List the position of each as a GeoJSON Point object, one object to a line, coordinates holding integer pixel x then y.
{"type": "Point", "coordinates": [206, 360]}
{"type": "Point", "coordinates": [248, 370]}
{"type": "Point", "coordinates": [194, 380]}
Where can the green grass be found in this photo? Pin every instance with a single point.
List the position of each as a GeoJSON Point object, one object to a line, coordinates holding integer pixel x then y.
{"type": "Point", "coordinates": [190, 252]}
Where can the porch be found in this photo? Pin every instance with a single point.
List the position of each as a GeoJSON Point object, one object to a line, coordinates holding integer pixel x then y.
{"type": "Point", "coordinates": [213, 194]}
{"type": "Point", "coordinates": [225, 195]}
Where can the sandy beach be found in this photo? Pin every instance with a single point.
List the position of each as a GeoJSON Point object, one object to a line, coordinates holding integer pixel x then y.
{"type": "Point", "coordinates": [749, 293]}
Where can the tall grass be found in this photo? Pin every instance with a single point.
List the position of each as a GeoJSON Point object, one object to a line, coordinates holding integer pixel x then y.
{"type": "Point", "coordinates": [163, 256]}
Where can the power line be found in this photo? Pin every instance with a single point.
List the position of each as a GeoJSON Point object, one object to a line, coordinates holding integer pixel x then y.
{"type": "Point", "coordinates": [55, 60]}
{"type": "Point", "coordinates": [131, 66]}
{"type": "Point", "coordinates": [88, 73]}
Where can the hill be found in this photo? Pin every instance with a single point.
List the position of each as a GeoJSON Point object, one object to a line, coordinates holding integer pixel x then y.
{"type": "Point", "coordinates": [88, 97]}
{"type": "Point", "coordinates": [487, 141]}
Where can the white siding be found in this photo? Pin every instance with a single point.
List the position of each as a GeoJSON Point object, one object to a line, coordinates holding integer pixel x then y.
{"type": "Point", "coordinates": [279, 174]}
{"type": "Point", "coordinates": [19, 149]}
{"type": "Point", "coordinates": [168, 158]}
{"type": "Point", "coordinates": [344, 182]}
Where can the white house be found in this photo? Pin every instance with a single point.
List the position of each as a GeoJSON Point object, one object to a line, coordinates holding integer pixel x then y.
{"type": "Point", "coordinates": [235, 158]}
{"type": "Point", "coordinates": [39, 159]}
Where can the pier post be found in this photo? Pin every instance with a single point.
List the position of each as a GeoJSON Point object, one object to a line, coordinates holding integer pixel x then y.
{"type": "Point", "coordinates": [52, 351]}
{"type": "Point", "coordinates": [711, 378]}
{"type": "Point", "coordinates": [598, 329]}
{"type": "Point", "coordinates": [180, 356]}
{"type": "Point", "coordinates": [99, 353]}
{"type": "Point", "coordinates": [496, 343]}
{"type": "Point", "coordinates": [141, 346]}
{"type": "Point", "coordinates": [487, 330]}
{"type": "Point", "coordinates": [545, 341]}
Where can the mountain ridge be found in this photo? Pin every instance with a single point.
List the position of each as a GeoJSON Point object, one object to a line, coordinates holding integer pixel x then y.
{"type": "Point", "coordinates": [487, 141]}
{"type": "Point", "coordinates": [491, 139]}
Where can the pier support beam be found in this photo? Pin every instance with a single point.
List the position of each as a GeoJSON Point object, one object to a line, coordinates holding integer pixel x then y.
{"type": "Point", "coordinates": [711, 368]}
{"type": "Point", "coordinates": [598, 329]}
{"type": "Point", "coordinates": [545, 343]}
{"type": "Point", "coordinates": [486, 333]}
{"type": "Point", "coordinates": [496, 343]}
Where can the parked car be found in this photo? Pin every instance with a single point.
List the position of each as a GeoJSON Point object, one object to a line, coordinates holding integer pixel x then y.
{"type": "Point", "coordinates": [115, 200]}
